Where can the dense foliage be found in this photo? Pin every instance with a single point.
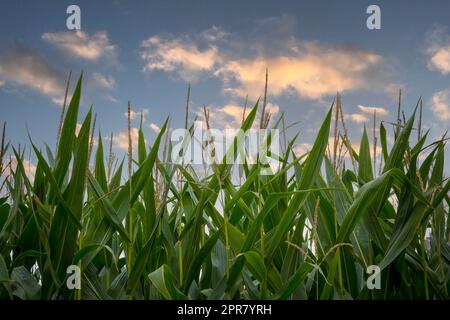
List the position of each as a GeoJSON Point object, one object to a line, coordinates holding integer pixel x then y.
{"type": "Point", "coordinates": [309, 231]}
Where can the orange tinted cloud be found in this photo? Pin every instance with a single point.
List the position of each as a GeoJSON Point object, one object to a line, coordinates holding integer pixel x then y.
{"type": "Point", "coordinates": [121, 139]}
{"type": "Point", "coordinates": [371, 110]}
{"type": "Point", "coordinates": [311, 70]}
{"type": "Point", "coordinates": [312, 73]}
{"type": "Point", "coordinates": [440, 104]}
{"type": "Point", "coordinates": [439, 51]}
{"type": "Point", "coordinates": [179, 56]}
{"type": "Point", "coordinates": [356, 117]}
{"type": "Point", "coordinates": [26, 67]}
{"type": "Point", "coordinates": [83, 45]}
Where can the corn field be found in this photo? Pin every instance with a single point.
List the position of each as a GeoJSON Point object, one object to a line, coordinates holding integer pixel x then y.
{"type": "Point", "coordinates": [148, 228]}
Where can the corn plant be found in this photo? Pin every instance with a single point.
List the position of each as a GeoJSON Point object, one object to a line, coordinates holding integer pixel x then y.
{"type": "Point", "coordinates": [163, 231]}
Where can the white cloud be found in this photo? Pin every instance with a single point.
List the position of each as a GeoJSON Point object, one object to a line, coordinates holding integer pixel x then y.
{"type": "Point", "coordinates": [272, 108]}
{"type": "Point", "coordinates": [26, 67]}
{"type": "Point", "coordinates": [154, 127]}
{"type": "Point", "coordinates": [232, 111]}
{"type": "Point", "coordinates": [381, 112]}
{"type": "Point", "coordinates": [440, 59]}
{"type": "Point", "coordinates": [230, 116]}
{"type": "Point", "coordinates": [29, 167]}
{"type": "Point", "coordinates": [80, 44]}
{"type": "Point", "coordinates": [106, 82]}
{"type": "Point", "coordinates": [2, 83]}
{"type": "Point", "coordinates": [310, 69]}
{"type": "Point", "coordinates": [121, 139]}
{"type": "Point", "coordinates": [178, 55]}
{"type": "Point", "coordinates": [311, 72]}
{"type": "Point", "coordinates": [302, 148]}
{"type": "Point", "coordinates": [225, 117]}
{"type": "Point", "coordinates": [439, 51]}
{"type": "Point", "coordinates": [356, 117]}
{"type": "Point", "coordinates": [440, 104]}
{"type": "Point", "coordinates": [136, 114]}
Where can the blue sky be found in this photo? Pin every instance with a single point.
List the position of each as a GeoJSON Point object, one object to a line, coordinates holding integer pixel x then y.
{"type": "Point", "coordinates": [148, 51]}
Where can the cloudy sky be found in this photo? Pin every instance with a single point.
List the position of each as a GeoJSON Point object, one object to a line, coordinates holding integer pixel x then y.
{"type": "Point", "coordinates": [149, 51]}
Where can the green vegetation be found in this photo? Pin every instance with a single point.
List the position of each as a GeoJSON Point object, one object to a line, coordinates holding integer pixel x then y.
{"type": "Point", "coordinates": [307, 232]}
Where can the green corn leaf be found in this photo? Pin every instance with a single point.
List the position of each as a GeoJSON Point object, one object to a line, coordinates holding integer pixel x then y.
{"type": "Point", "coordinates": [163, 280]}
{"type": "Point", "coordinates": [365, 171]}
{"type": "Point", "coordinates": [310, 170]}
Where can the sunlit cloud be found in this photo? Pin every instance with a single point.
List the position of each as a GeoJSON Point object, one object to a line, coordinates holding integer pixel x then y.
{"type": "Point", "coordinates": [12, 164]}
{"type": "Point", "coordinates": [233, 111]}
{"type": "Point", "coordinates": [309, 69]}
{"type": "Point", "coordinates": [272, 108]}
{"type": "Point", "coordinates": [82, 45]}
{"type": "Point", "coordinates": [26, 67]}
{"type": "Point", "coordinates": [231, 116]}
{"type": "Point", "coordinates": [381, 112]}
{"type": "Point", "coordinates": [440, 59]}
{"type": "Point", "coordinates": [302, 148]}
{"type": "Point", "coordinates": [439, 51]}
{"type": "Point", "coordinates": [356, 117]}
{"type": "Point", "coordinates": [440, 105]}
{"type": "Point", "coordinates": [178, 55]}
{"type": "Point", "coordinates": [312, 72]}
{"type": "Point", "coordinates": [121, 139]}
{"type": "Point", "coordinates": [225, 117]}
{"type": "Point", "coordinates": [136, 114]}
{"type": "Point", "coordinates": [154, 127]}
